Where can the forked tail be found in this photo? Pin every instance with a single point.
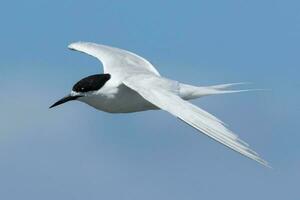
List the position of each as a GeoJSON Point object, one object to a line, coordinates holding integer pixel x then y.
{"type": "Point", "coordinates": [189, 92]}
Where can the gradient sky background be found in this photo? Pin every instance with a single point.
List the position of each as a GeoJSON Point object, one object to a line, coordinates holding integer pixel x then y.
{"type": "Point", "coordinates": [74, 152]}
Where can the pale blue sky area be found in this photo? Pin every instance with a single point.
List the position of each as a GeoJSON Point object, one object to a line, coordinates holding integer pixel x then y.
{"type": "Point", "coordinates": [74, 152]}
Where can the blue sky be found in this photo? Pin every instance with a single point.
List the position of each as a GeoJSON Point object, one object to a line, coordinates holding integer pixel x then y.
{"type": "Point", "coordinates": [75, 152]}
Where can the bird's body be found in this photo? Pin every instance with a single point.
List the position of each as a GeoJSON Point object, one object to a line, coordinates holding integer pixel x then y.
{"type": "Point", "coordinates": [119, 99]}
{"type": "Point", "coordinates": [122, 99]}
{"type": "Point", "coordinates": [132, 84]}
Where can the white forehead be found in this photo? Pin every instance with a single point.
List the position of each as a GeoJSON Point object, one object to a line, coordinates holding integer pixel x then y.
{"type": "Point", "coordinates": [73, 93]}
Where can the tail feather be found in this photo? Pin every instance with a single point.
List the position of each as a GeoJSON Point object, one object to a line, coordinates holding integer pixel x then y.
{"type": "Point", "coordinates": [228, 85]}
{"type": "Point", "coordinates": [189, 92]}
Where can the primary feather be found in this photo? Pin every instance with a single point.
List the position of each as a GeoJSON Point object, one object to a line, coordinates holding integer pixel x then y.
{"type": "Point", "coordinates": [166, 99]}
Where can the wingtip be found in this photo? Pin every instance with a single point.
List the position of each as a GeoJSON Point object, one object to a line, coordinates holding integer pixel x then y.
{"type": "Point", "coordinates": [80, 44]}
{"type": "Point", "coordinates": [73, 45]}
{"type": "Point", "coordinates": [266, 164]}
{"type": "Point", "coordinates": [262, 162]}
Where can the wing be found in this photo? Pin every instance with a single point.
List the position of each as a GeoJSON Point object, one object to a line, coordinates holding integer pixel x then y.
{"type": "Point", "coordinates": [151, 89]}
{"type": "Point", "coordinates": [117, 62]}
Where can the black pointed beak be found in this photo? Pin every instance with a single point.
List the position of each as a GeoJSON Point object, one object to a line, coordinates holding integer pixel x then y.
{"type": "Point", "coordinates": [65, 99]}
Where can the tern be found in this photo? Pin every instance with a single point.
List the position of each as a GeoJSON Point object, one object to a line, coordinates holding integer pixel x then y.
{"type": "Point", "coordinates": [130, 83]}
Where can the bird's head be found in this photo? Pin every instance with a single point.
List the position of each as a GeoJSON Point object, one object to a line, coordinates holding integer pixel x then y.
{"type": "Point", "coordinates": [85, 87]}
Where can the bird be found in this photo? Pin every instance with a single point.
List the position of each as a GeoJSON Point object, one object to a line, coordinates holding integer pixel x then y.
{"type": "Point", "coordinates": [130, 83]}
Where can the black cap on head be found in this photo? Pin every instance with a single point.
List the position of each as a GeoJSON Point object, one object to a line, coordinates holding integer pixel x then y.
{"type": "Point", "coordinates": [91, 83]}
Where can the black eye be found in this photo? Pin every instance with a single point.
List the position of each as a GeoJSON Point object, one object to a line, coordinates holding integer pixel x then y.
{"type": "Point", "coordinates": [91, 83]}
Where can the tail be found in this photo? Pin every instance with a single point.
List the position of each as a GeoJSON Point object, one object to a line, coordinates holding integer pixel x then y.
{"type": "Point", "coordinates": [189, 92]}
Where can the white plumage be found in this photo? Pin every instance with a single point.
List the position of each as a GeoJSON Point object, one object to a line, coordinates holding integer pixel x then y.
{"type": "Point", "coordinates": [135, 85]}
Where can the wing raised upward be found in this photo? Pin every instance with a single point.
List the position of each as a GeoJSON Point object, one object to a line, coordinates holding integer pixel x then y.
{"type": "Point", "coordinates": [117, 62]}
{"type": "Point", "coordinates": [152, 89]}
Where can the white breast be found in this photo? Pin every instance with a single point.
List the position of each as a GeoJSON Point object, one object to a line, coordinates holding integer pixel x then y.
{"type": "Point", "coordinates": [117, 100]}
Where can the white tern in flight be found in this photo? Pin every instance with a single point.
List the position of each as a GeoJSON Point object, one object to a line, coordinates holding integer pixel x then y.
{"type": "Point", "coordinates": [130, 84]}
